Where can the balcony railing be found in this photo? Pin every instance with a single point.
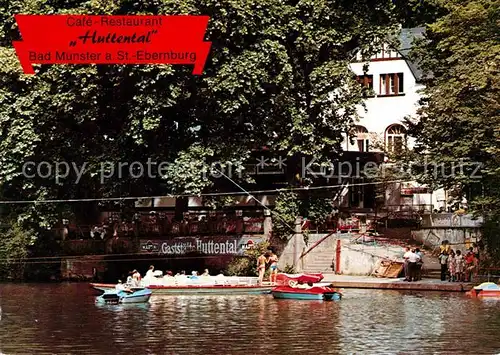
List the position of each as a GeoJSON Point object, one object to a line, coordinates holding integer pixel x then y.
{"type": "Point", "coordinates": [166, 227]}
{"type": "Point", "coordinates": [407, 211]}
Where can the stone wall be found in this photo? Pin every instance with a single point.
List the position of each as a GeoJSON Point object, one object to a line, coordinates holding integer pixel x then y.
{"type": "Point", "coordinates": [353, 259]}
{"type": "Point", "coordinates": [460, 238]}
{"type": "Point", "coordinates": [82, 268]}
{"type": "Point", "coordinates": [460, 230]}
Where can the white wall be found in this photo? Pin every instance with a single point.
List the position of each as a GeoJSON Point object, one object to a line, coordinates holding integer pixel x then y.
{"type": "Point", "coordinates": [381, 112]}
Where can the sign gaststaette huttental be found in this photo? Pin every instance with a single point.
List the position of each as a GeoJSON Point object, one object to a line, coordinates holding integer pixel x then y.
{"type": "Point", "coordinates": [203, 245]}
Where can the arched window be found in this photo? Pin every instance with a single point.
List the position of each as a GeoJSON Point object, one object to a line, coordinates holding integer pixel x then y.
{"type": "Point", "coordinates": [395, 138]}
{"type": "Point", "coordinates": [362, 138]}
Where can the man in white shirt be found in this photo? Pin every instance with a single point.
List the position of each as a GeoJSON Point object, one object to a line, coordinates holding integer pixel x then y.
{"type": "Point", "coordinates": [149, 277]}
{"type": "Point", "coordinates": [413, 258]}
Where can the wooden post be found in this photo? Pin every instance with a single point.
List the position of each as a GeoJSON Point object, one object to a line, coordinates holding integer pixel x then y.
{"type": "Point", "coordinates": [297, 239]}
{"type": "Point", "coordinates": [337, 257]}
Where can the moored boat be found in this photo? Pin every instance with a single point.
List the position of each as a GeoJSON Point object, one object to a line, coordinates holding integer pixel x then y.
{"type": "Point", "coordinates": [219, 284]}
{"type": "Point", "coordinates": [116, 297]}
{"type": "Point", "coordinates": [486, 289]}
{"type": "Point", "coordinates": [310, 293]}
{"type": "Point", "coordinates": [199, 285]}
{"type": "Point", "coordinates": [210, 289]}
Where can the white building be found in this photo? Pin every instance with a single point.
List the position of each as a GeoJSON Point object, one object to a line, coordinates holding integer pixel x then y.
{"type": "Point", "coordinates": [393, 83]}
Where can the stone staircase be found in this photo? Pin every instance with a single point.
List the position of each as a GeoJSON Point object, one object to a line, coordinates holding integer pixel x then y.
{"type": "Point", "coordinates": [320, 261]}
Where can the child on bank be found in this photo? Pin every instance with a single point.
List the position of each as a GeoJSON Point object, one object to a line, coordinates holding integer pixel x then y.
{"type": "Point", "coordinates": [459, 266]}
{"type": "Point", "coordinates": [452, 266]}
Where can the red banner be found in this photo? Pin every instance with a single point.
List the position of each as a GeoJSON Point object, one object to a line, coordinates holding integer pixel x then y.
{"type": "Point", "coordinates": [80, 39]}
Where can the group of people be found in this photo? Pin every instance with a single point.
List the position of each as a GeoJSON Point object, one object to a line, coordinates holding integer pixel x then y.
{"type": "Point", "coordinates": [268, 258]}
{"type": "Point", "coordinates": [413, 262]}
{"type": "Point", "coordinates": [456, 267]}
{"type": "Point", "coordinates": [134, 279]}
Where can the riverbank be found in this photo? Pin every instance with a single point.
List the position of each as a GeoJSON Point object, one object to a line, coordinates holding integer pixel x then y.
{"type": "Point", "coordinates": [366, 282]}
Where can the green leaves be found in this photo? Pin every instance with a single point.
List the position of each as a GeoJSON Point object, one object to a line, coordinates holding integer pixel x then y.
{"type": "Point", "coordinates": [459, 120]}
{"type": "Point", "coordinates": [277, 76]}
{"type": "Point", "coordinates": [14, 246]}
{"type": "Point", "coordinates": [189, 172]}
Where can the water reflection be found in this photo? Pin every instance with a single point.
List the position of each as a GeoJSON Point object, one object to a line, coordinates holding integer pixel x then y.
{"type": "Point", "coordinates": [64, 319]}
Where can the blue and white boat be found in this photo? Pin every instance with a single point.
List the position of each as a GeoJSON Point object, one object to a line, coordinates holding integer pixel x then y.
{"type": "Point", "coordinates": [136, 295]}
{"type": "Point", "coordinates": [310, 293]}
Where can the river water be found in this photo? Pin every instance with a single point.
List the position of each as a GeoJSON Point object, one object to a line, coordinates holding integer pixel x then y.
{"type": "Point", "coordinates": [63, 319]}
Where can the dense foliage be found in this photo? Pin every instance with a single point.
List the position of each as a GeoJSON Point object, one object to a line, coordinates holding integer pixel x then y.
{"type": "Point", "coordinates": [277, 76]}
{"type": "Point", "coordinates": [289, 205]}
{"type": "Point", "coordinates": [14, 245]}
{"type": "Point", "coordinates": [286, 210]}
{"type": "Point", "coordinates": [458, 127]}
{"type": "Point", "coordinates": [416, 13]}
{"type": "Point", "coordinates": [246, 265]}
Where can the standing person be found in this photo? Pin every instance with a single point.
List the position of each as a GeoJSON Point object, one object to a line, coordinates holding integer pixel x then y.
{"type": "Point", "coordinates": [459, 266]}
{"type": "Point", "coordinates": [149, 277]}
{"type": "Point", "coordinates": [445, 247]}
{"type": "Point", "coordinates": [442, 247]}
{"type": "Point", "coordinates": [443, 260]}
{"type": "Point", "coordinates": [261, 266]}
{"type": "Point", "coordinates": [405, 257]}
{"type": "Point", "coordinates": [273, 259]}
{"type": "Point", "coordinates": [469, 265]}
{"type": "Point", "coordinates": [413, 259]}
{"type": "Point", "coordinates": [452, 265]}
{"type": "Point", "coordinates": [475, 250]}
{"type": "Point", "coordinates": [420, 263]}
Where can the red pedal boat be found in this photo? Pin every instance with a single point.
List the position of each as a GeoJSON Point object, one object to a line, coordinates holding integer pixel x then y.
{"type": "Point", "coordinates": [301, 287]}
{"type": "Point", "coordinates": [284, 279]}
{"type": "Point", "coordinates": [486, 289]}
{"type": "Point", "coordinates": [311, 293]}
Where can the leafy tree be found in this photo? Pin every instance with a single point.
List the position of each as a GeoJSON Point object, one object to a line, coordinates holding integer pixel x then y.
{"type": "Point", "coordinates": [416, 13]}
{"type": "Point", "coordinates": [317, 208]}
{"type": "Point", "coordinates": [277, 76]}
{"type": "Point", "coordinates": [14, 246]}
{"type": "Point", "coordinates": [286, 210]}
{"type": "Point", "coordinates": [458, 126]}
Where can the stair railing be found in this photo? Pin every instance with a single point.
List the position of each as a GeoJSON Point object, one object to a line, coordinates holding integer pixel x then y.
{"type": "Point", "coordinates": [316, 244]}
